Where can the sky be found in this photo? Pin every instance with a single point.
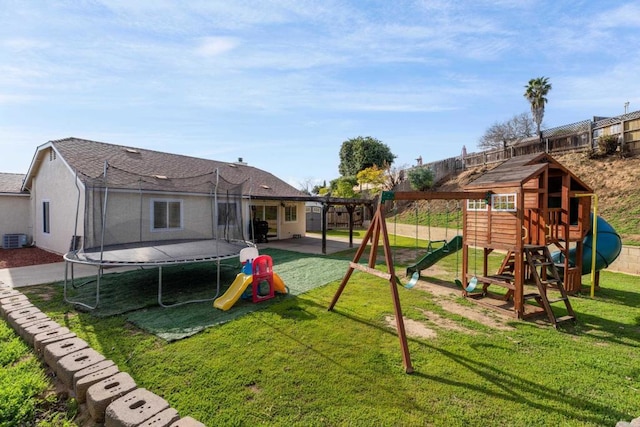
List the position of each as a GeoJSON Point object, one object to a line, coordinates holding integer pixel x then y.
{"type": "Point", "coordinates": [283, 83]}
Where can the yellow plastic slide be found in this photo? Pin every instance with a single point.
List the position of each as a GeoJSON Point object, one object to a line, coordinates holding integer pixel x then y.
{"type": "Point", "coordinates": [278, 284]}
{"type": "Point", "coordinates": [237, 288]}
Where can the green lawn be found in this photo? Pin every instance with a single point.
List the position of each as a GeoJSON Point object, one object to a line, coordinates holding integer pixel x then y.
{"type": "Point", "coordinates": [295, 363]}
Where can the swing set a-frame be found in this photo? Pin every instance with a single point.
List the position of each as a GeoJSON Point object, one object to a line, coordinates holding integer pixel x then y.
{"type": "Point", "coordinates": [378, 230]}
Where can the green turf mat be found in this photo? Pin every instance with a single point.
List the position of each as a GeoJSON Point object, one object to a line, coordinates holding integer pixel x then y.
{"type": "Point", "coordinates": [135, 293]}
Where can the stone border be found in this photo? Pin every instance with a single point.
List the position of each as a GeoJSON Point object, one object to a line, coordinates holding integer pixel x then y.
{"type": "Point", "coordinates": [112, 397]}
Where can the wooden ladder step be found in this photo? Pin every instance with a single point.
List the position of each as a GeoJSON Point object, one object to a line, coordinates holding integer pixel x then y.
{"type": "Point", "coordinates": [545, 263]}
{"type": "Point", "coordinates": [531, 296]}
{"type": "Point", "coordinates": [565, 319]}
{"type": "Point", "coordinates": [550, 281]}
{"type": "Point", "coordinates": [551, 301]}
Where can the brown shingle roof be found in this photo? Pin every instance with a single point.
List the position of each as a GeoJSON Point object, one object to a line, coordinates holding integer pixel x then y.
{"type": "Point", "coordinates": [130, 167]}
{"type": "Point", "coordinates": [520, 169]}
{"type": "Point", "coordinates": [11, 183]}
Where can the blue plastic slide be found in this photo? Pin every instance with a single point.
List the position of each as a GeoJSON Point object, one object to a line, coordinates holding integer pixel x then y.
{"type": "Point", "coordinates": [608, 247]}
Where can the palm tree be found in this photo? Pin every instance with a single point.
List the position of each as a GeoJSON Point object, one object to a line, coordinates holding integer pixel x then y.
{"type": "Point", "coordinates": [536, 92]}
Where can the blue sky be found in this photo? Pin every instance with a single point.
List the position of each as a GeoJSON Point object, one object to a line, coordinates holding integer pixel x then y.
{"type": "Point", "coordinates": [282, 83]}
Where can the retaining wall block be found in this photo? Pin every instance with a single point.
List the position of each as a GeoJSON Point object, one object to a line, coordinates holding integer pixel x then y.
{"type": "Point", "coordinates": [134, 408]}
{"type": "Point", "coordinates": [90, 375]}
{"type": "Point", "coordinates": [51, 335]}
{"type": "Point", "coordinates": [6, 292]}
{"type": "Point", "coordinates": [187, 422]}
{"type": "Point", "coordinates": [162, 419]}
{"type": "Point", "coordinates": [57, 350]}
{"type": "Point", "coordinates": [20, 322]}
{"type": "Point", "coordinates": [102, 393]}
{"type": "Point", "coordinates": [29, 333]}
{"type": "Point", "coordinates": [12, 297]}
{"type": "Point", "coordinates": [68, 365]}
{"type": "Point", "coordinates": [8, 308]}
{"type": "Point", "coordinates": [11, 317]}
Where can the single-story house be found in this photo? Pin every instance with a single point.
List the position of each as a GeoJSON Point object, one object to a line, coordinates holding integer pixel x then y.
{"type": "Point", "coordinates": [146, 195]}
{"type": "Point", "coordinates": [15, 222]}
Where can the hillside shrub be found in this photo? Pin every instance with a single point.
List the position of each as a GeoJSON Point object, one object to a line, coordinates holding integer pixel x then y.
{"type": "Point", "coordinates": [607, 145]}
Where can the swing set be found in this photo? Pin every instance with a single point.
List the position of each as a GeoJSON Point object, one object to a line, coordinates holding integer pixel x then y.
{"type": "Point", "coordinates": [377, 231]}
{"type": "Point", "coordinates": [435, 253]}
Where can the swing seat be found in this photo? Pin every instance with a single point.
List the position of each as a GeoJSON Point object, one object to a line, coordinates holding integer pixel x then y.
{"type": "Point", "coordinates": [413, 281]}
{"type": "Point", "coordinates": [473, 283]}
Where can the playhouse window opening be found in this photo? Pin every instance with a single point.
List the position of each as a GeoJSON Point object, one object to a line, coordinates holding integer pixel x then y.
{"type": "Point", "coordinates": [477, 205]}
{"type": "Point", "coordinates": [504, 202]}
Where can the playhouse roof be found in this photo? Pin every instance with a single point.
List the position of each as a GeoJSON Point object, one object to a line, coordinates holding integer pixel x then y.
{"type": "Point", "coordinates": [521, 169]}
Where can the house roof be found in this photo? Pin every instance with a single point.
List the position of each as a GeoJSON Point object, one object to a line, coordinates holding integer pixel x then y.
{"type": "Point", "coordinates": [520, 169]}
{"type": "Point", "coordinates": [131, 167]}
{"type": "Point", "coordinates": [11, 184]}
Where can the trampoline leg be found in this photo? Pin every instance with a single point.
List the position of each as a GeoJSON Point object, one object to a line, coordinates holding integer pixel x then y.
{"type": "Point", "coordinates": [161, 304]}
{"type": "Point", "coordinates": [67, 300]}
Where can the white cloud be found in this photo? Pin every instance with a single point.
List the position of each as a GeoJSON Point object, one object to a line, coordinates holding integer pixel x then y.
{"type": "Point", "coordinates": [214, 46]}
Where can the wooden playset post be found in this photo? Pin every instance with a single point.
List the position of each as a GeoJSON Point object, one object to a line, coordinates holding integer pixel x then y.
{"type": "Point", "coordinates": [377, 229]}
{"type": "Point", "coordinates": [378, 226]}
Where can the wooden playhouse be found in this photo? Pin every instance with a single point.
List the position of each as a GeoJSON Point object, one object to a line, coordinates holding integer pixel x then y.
{"type": "Point", "coordinates": [532, 203]}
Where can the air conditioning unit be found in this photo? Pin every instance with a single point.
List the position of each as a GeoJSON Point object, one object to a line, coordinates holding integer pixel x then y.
{"type": "Point", "coordinates": [14, 241]}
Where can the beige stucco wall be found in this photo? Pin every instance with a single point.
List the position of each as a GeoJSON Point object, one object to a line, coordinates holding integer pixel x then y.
{"type": "Point", "coordinates": [54, 182]}
{"type": "Point", "coordinates": [15, 215]}
{"type": "Point", "coordinates": [286, 230]}
{"type": "Point", "coordinates": [129, 218]}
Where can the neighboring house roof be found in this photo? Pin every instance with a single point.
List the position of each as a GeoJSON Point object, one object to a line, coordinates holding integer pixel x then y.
{"type": "Point", "coordinates": [520, 169]}
{"type": "Point", "coordinates": [130, 167]}
{"type": "Point", "coordinates": [11, 184]}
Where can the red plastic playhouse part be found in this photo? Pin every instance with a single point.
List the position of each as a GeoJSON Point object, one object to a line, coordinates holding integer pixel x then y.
{"type": "Point", "coordinates": [262, 275]}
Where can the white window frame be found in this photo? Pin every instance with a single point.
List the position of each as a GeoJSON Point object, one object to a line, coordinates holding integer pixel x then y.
{"type": "Point", "coordinates": [46, 216]}
{"type": "Point", "coordinates": [507, 202]}
{"type": "Point", "coordinates": [167, 219]}
{"type": "Point", "coordinates": [289, 212]}
{"type": "Point", "coordinates": [476, 205]}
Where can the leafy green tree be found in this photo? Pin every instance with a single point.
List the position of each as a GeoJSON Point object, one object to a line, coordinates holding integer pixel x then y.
{"type": "Point", "coordinates": [343, 187]}
{"type": "Point", "coordinates": [420, 178]}
{"type": "Point", "coordinates": [360, 153]}
{"type": "Point", "coordinates": [535, 92]}
{"type": "Point", "coordinates": [374, 176]}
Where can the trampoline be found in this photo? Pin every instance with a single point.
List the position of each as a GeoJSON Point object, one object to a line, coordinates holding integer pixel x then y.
{"type": "Point", "coordinates": [133, 220]}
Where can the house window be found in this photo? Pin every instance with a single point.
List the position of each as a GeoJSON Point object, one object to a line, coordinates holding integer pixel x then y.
{"type": "Point", "coordinates": [503, 202]}
{"type": "Point", "coordinates": [46, 217]}
{"type": "Point", "coordinates": [227, 214]}
{"type": "Point", "coordinates": [290, 213]}
{"type": "Point", "coordinates": [597, 133]}
{"type": "Point", "coordinates": [166, 214]}
{"type": "Point", "coordinates": [477, 205]}
{"type": "Point", "coordinates": [614, 129]}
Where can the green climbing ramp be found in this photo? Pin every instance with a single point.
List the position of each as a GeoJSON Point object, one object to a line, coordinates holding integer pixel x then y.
{"type": "Point", "coordinates": [436, 255]}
